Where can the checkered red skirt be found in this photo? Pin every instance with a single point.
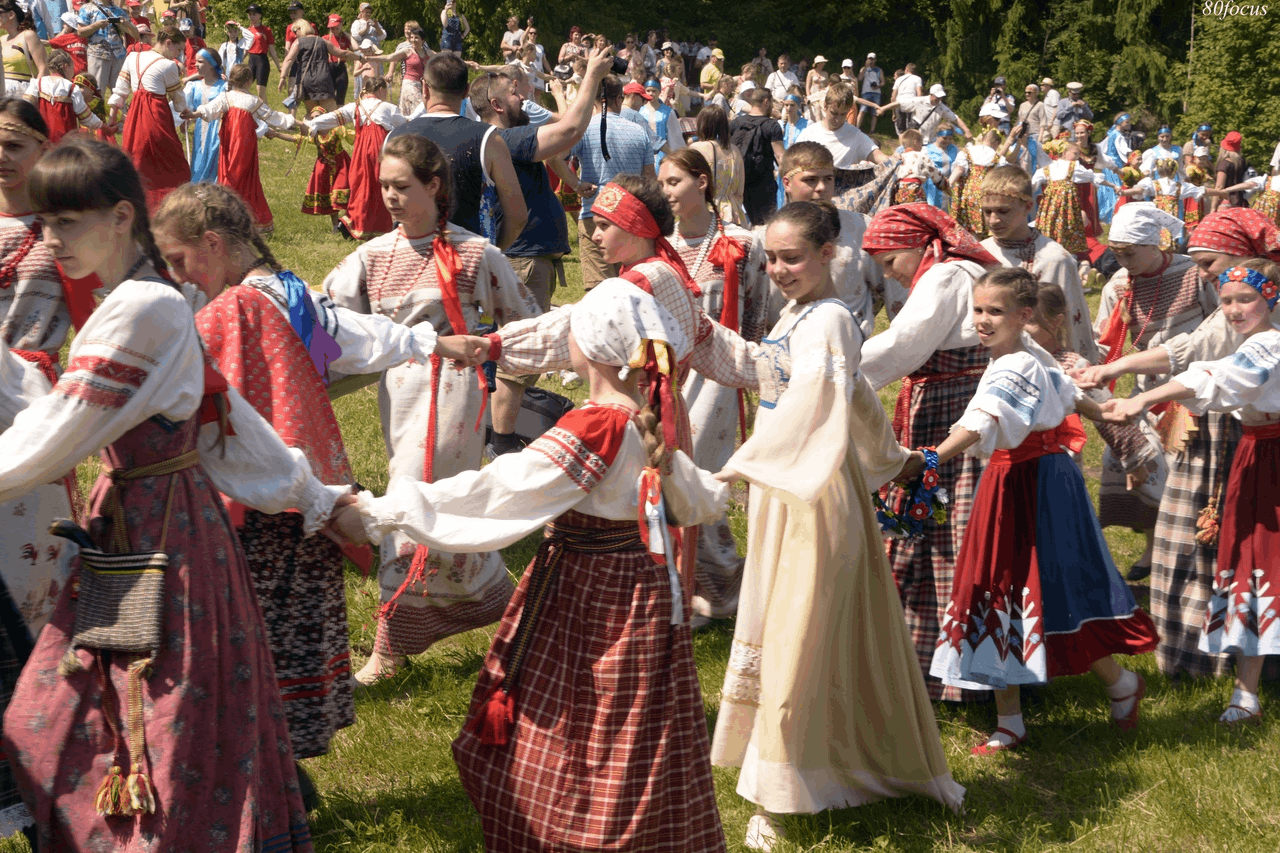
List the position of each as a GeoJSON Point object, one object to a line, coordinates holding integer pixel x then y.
{"type": "Point", "coordinates": [609, 749]}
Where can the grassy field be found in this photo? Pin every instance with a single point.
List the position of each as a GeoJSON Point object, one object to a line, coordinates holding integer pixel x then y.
{"type": "Point", "coordinates": [1180, 783]}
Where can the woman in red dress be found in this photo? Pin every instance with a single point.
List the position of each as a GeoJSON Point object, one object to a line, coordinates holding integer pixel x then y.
{"type": "Point", "coordinates": [373, 118]}
{"type": "Point", "coordinates": [154, 80]}
{"type": "Point", "coordinates": [240, 111]}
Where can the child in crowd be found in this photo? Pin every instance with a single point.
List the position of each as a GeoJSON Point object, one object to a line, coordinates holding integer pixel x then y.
{"type": "Point", "coordinates": [1240, 619]}
{"type": "Point", "coordinates": [1036, 594]}
{"type": "Point", "coordinates": [328, 190]}
{"type": "Point", "coordinates": [1062, 217]}
{"type": "Point", "coordinates": [967, 172]}
{"type": "Point", "coordinates": [59, 100]}
{"type": "Point", "coordinates": [915, 170]}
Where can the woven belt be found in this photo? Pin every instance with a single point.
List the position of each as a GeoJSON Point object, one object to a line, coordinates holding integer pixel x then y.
{"type": "Point", "coordinates": [120, 535]}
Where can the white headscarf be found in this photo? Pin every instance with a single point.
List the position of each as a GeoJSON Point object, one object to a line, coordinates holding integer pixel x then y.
{"type": "Point", "coordinates": [613, 320]}
{"type": "Point", "coordinates": [1140, 223]}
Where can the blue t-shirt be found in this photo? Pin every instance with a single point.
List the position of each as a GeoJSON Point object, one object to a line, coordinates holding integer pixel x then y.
{"type": "Point", "coordinates": [629, 152]}
{"type": "Point", "coordinates": [537, 113]}
{"type": "Point", "coordinates": [546, 232]}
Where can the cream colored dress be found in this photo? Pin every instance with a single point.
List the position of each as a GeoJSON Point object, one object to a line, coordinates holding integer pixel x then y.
{"type": "Point", "coordinates": [824, 705]}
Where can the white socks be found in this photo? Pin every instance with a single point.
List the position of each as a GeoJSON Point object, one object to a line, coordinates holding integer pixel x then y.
{"type": "Point", "coordinates": [1122, 694]}
{"type": "Point", "coordinates": [1012, 723]}
{"type": "Point", "coordinates": [1243, 706]}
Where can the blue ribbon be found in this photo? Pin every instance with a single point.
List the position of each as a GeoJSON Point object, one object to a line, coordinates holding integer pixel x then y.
{"type": "Point", "coordinates": [302, 317]}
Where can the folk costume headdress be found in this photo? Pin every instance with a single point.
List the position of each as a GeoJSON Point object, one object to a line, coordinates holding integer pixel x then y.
{"type": "Point", "coordinates": [1239, 231]}
{"type": "Point", "coordinates": [917, 225]}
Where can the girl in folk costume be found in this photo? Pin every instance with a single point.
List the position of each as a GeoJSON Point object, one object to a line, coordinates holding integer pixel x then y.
{"type": "Point", "coordinates": [1268, 201]}
{"type": "Point", "coordinates": [1185, 557]}
{"type": "Point", "coordinates": [586, 729]}
{"type": "Point", "coordinates": [373, 118]}
{"type": "Point", "coordinates": [727, 268]}
{"type": "Point", "coordinates": [1167, 191]}
{"type": "Point", "coordinates": [915, 171]}
{"type": "Point", "coordinates": [59, 100]}
{"type": "Point", "coordinates": [327, 189]}
{"type": "Point", "coordinates": [1240, 619]}
{"type": "Point", "coordinates": [278, 342]}
{"type": "Point", "coordinates": [1036, 594]}
{"type": "Point", "coordinates": [133, 388]}
{"type": "Point", "coordinates": [206, 133]}
{"type": "Point", "coordinates": [942, 151]}
{"type": "Point", "coordinates": [820, 614]}
{"type": "Point", "coordinates": [1063, 217]}
{"type": "Point", "coordinates": [1007, 201]}
{"type": "Point", "coordinates": [427, 271]}
{"type": "Point", "coordinates": [1117, 149]}
{"type": "Point", "coordinates": [1093, 158]}
{"type": "Point", "coordinates": [88, 86]}
{"type": "Point", "coordinates": [808, 174]}
{"type": "Point", "coordinates": [1200, 174]}
{"type": "Point", "coordinates": [35, 319]}
{"type": "Point", "coordinates": [632, 221]}
{"type": "Point", "coordinates": [932, 343]}
{"type": "Point", "coordinates": [149, 82]}
{"type": "Point", "coordinates": [242, 113]}
{"type": "Point", "coordinates": [1156, 295]}
{"type": "Point", "coordinates": [970, 167]}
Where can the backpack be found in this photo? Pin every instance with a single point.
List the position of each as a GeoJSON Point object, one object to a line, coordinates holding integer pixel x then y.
{"type": "Point", "coordinates": [749, 138]}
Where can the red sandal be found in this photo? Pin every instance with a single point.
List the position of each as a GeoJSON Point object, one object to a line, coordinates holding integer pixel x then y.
{"type": "Point", "coordinates": [1129, 721]}
{"type": "Point", "coordinates": [988, 749]}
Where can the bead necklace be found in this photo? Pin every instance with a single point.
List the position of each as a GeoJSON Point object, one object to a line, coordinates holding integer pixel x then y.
{"type": "Point", "coordinates": [708, 240]}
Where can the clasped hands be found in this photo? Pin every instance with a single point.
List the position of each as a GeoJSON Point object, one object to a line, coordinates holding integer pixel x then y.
{"type": "Point", "coordinates": [345, 524]}
{"type": "Point", "coordinates": [467, 350]}
{"type": "Point", "coordinates": [1118, 410]}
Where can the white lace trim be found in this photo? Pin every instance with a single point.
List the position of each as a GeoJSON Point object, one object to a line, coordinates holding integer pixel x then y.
{"type": "Point", "coordinates": [742, 677]}
{"type": "Point", "coordinates": [831, 367]}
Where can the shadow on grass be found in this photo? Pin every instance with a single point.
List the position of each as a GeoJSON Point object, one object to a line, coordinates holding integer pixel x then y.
{"type": "Point", "coordinates": [432, 815]}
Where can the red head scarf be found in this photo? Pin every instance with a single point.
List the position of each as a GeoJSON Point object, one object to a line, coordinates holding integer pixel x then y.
{"type": "Point", "coordinates": [912, 226]}
{"type": "Point", "coordinates": [1240, 231]}
{"type": "Point", "coordinates": [619, 207]}
{"type": "Point", "coordinates": [1231, 142]}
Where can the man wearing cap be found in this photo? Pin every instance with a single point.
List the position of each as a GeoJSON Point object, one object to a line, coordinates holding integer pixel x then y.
{"type": "Point", "coordinates": [262, 49]}
{"type": "Point", "coordinates": [925, 114]}
{"type": "Point", "coordinates": [1074, 108]}
{"type": "Point", "coordinates": [999, 104]}
{"type": "Point", "coordinates": [1050, 96]}
{"type": "Point", "coordinates": [871, 80]}
{"type": "Point", "coordinates": [1164, 149]}
{"type": "Point", "coordinates": [104, 26]}
{"type": "Point", "coordinates": [634, 97]}
{"type": "Point", "coordinates": [908, 85]}
{"type": "Point", "coordinates": [711, 72]}
{"type": "Point", "coordinates": [70, 41]}
{"type": "Point", "coordinates": [782, 79]}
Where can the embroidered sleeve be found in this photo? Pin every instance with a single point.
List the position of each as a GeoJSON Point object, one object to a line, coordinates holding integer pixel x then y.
{"type": "Point", "coordinates": [583, 444]}
{"type": "Point", "coordinates": [1242, 379]}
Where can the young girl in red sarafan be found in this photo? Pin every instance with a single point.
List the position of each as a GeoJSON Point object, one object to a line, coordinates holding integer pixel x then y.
{"type": "Point", "coordinates": [1240, 618]}
{"type": "Point", "coordinates": [1036, 594]}
{"type": "Point", "coordinates": [598, 631]}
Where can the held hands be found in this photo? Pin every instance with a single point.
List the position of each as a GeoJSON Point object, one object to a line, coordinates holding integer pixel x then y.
{"type": "Point", "coordinates": [586, 190]}
{"type": "Point", "coordinates": [469, 350]}
{"type": "Point", "coordinates": [1139, 476]}
{"type": "Point", "coordinates": [911, 469]}
{"type": "Point", "coordinates": [726, 476]}
{"type": "Point", "coordinates": [345, 523]}
{"type": "Point", "coordinates": [1122, 411]}
{"type": "Point", "coordinates": [1089, 378]}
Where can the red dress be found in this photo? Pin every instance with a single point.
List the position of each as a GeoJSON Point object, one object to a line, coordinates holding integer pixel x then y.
{"type": "Point", "coordinates": [58, 114]}
{"type": "Point", "coordinates": [152, 143]}
{"type": "Point", "coordinates": [238, 163]}
{"type": "Point", "coordinates": [327, 188]}
{"type": "Point", "coordinates": [366, 215]}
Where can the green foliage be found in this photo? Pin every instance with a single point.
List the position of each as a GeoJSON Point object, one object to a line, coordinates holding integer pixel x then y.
{"type": "Point", "coordinates": [1233, 84]}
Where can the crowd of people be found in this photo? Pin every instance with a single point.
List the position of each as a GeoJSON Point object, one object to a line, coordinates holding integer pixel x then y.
{"type": "Point", "coordinates": [173, 647]}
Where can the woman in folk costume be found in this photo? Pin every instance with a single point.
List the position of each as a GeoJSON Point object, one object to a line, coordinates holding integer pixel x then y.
{"type": "Point", "coordinates": [824, 704]}
{"type": "Point", "coordinates": [586, 729]}
{"type": "Point", "coordinates": [727, 267]}
{"type": "Point", "coordinates": [59, 100]}
{"type": "Point", "coordinates": [328, 189]}
{"type": "Point", "coordinates": [1240, 619]}
{"type": "Point", "coordinates": [1157, 294]}
{"type": "Point", "coordinates": [970, 167]}
{"type": "Point", "coordinates": [218, 762]}
{"type": "Point", "coordinates": [932, 343]}
{"type": "Point", "coordinates": [373, 118]}
{"type": "Point", "coordinates": [429, 271]}
{"type": "Point", "coordinates": [149, 82]}
{"type": "Point", "coordinates": [1093, 158]}
{"type": "Point", "coordinates": [632, 206]}
{"type": "Point", "coordinates": [1116, 146]}
{"type": "Point", "coordinates": [241, 114]}
{"type": "Point", "coordinates": [278, 342]}
{"type": "Point", "coordinates": [1036, 594]}
{"type": "Point", "coordinates": [35, 320]}
{"type": "Point", "coordinates": [206, 133]}
{"type": "Point", "coordinates": [1063, 217]}
{"type": "Point", "coordinates": [1185, 557]}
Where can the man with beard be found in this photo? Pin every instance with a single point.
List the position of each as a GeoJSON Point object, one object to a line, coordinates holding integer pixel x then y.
{"type": "Point", "coordinates": [535, 255]}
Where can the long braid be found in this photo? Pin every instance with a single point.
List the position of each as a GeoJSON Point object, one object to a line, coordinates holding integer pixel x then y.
{"type": "Point", "coordinates": [142, 233]}
{"type": "Point", "coordinates": [261, 246]}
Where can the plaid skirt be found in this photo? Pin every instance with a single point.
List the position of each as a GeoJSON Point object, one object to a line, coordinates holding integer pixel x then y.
{"type": "Point", "coordinates": [924, 569]}
{"type": "Point", "coordinates": [609, 749]}
{"type": "Point", "coordinates": [1182, 571]}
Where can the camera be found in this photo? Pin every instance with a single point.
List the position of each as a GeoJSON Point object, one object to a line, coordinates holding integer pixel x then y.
{"type": "Point", "coordinates": [562, 72]}
{"type": "Point", "coordinates": [619, 67]}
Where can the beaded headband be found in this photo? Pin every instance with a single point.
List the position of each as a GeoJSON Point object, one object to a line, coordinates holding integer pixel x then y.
{"type": "Point", "coordinates": [1255, 279]}
{"type": "Point", "coordinates": [16, 126]}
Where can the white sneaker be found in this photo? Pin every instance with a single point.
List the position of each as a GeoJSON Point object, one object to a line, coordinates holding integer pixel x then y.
{"type": "Point", "coordinates": [762, 833]}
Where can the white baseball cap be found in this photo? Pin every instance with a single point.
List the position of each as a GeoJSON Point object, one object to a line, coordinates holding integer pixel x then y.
{"type": "Point", "coordinates": [937, 91]}
{"type": "Point", "coordinates": [871, 56]}
{"type": "Point", "coordinates": [848, 63]}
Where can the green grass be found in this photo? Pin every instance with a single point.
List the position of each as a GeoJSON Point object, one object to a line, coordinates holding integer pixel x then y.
{"type": "Point", "coordinates": [1180, 783]}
